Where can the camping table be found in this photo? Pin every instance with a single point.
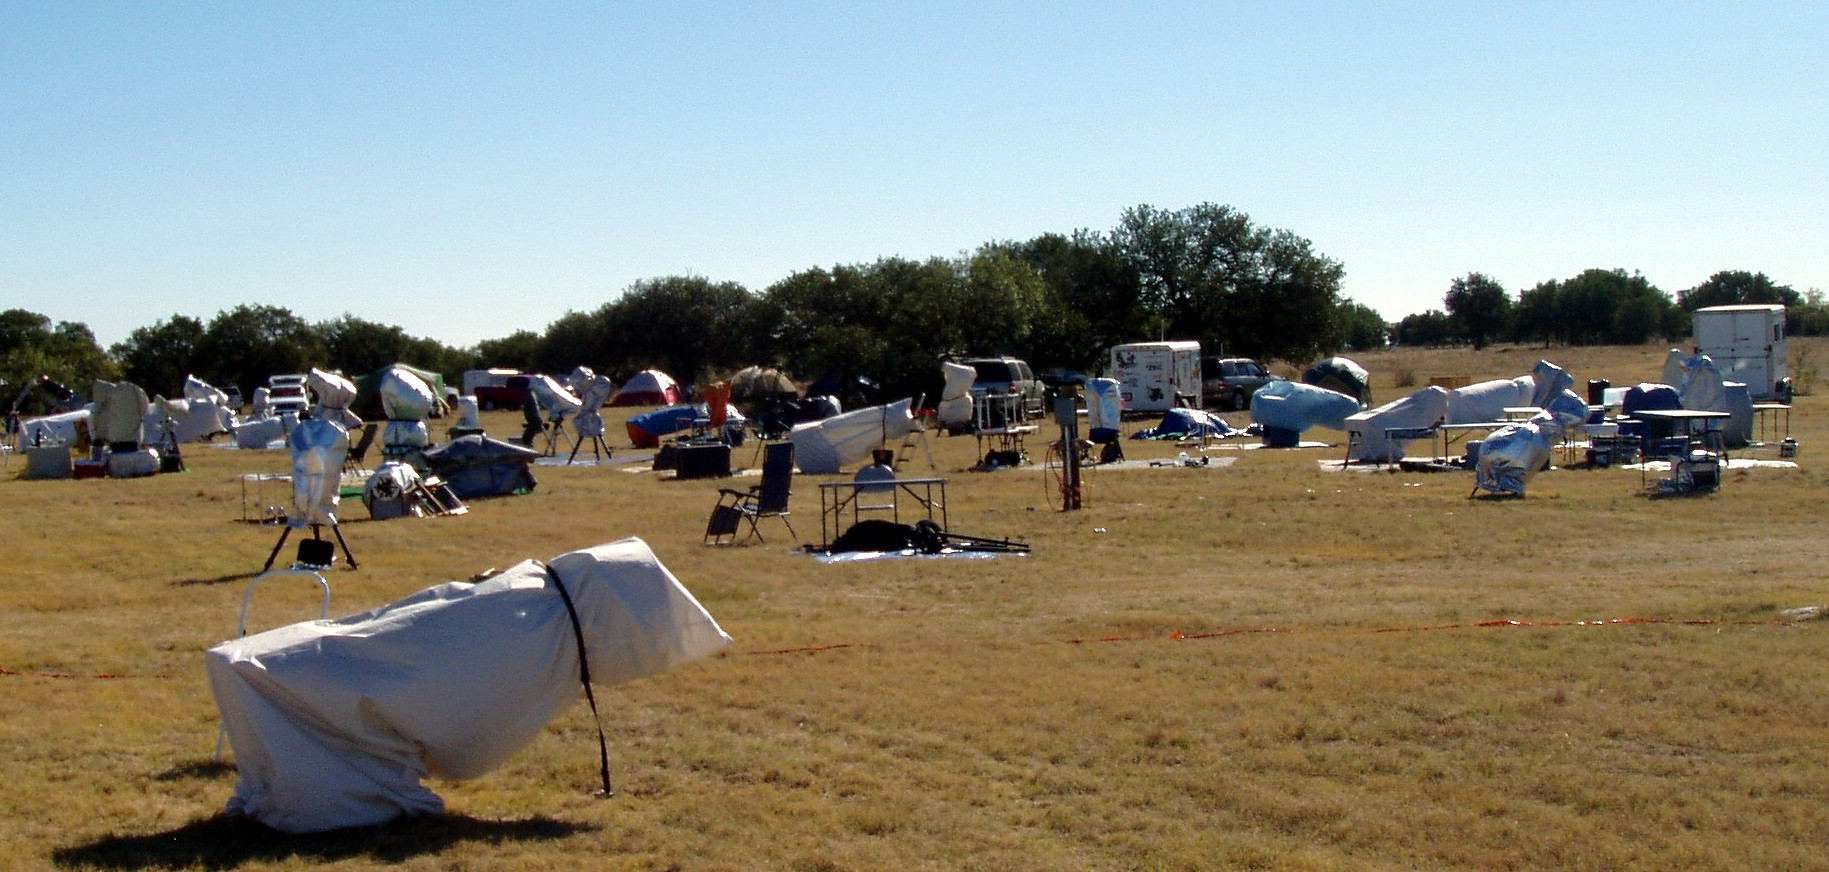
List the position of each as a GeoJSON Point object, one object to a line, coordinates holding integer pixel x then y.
{"type": "Point", "coordinates": [1776, 416]}
{"type": "Point", "coordinates": [1683, 423]}
{"type": "Point", "coordinates": [836, 497]}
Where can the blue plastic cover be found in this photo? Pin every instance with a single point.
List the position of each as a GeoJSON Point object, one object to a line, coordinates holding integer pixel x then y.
{"type": "Point", "coordinates": [1187, 424]}
{"type": "Point", "coordinates": [1290, 405]}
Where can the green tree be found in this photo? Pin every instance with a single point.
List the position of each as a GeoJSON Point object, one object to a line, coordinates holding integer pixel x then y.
{"type": "Point", "coordinates": [247, 344]}
{"type": "Point", "coordinates": [1206, 272]}
{"type": "Point", "coordinates": [1093, 302]}
{"type": "Point", "coordinates": [517, 350]}
{"type": "Point", "coordinates": [1426, 329]}
{"type": "Point", "coordinates": [688, 326]}
{"type": "Point", "coordinates": [1363, 328]}
{"type": "Point", "coordinates": [1737, 287]}
{"type": "Point", "coordinates": [1478, 308]}
{"type": "Point", "coordinates": [66, 352]}
{"type": "Point", "coordinates": [159, 357]}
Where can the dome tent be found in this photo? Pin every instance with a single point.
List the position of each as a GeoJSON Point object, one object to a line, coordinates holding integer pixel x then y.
{"type": "Point", "coordinates": [650, 387]}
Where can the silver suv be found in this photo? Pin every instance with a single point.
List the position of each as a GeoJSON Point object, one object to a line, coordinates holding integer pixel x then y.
{"type": "Point", "coordinates": [1230, 381]}
{"type": "Point", "coordinates": [1008, 375]}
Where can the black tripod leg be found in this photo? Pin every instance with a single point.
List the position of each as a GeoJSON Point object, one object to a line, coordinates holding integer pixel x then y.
{"type": "Point", "coordinates": [338, 529]}
{"type": "Point", "coordinates": [283, 533]}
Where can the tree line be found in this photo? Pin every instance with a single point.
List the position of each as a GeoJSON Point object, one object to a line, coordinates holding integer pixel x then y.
{"type": "Point", "coordinates": [1206, 273]}
{"type": "Point", "coordinates": [1598, 307]}
{"type": "Point", "coordinates": [1058, 300]}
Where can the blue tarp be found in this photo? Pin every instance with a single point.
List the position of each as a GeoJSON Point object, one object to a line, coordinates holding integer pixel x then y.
{"type": "Point", "coordinates": [1187, 424]}
{"type": "Point", "coordinates": [1288, 405]}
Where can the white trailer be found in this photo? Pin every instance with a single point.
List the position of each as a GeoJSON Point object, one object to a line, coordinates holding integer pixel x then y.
{"type": "Point", "coordinates": [1747, 343]}
{"type": "Point", "coordinates": [1157, 376]}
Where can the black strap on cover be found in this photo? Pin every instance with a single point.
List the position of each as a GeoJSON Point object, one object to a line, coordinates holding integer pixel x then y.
{"type": "Point", "coordinates": [584, 674]}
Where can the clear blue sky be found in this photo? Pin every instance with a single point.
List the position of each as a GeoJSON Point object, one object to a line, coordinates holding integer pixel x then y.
{"type": "Point", "coordinates": [467, 170]}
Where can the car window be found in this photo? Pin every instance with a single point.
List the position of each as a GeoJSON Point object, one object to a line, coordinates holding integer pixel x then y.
{"type": "Point", "coordinates": [1229, 368]}
{"type": "Point", "coordinates": [1251, 368]}
{"type": "Point", "coordinates": [992, 371]}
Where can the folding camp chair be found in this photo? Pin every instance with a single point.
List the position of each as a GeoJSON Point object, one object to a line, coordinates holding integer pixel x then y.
{"type": "Point", "coordinates": [766, 500]}
{"type": "Point", "coordinates": [352, 462]}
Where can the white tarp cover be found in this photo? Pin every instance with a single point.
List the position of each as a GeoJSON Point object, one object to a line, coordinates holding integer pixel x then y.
{"type": "Point", "coordinates": [829, 445]}
{"type": "Point", "coordinates": [1425, 408]}
{"type": "Point", "coordinates": [259, 433]}
{"type": "Point", "coordinates": [1104, 405]}
{"type": "Point", "coordinates": [593, 391]}
{"type": "Point", "coordinates": [1510, 456]}
{"type": "Point", "coordinates": [335, 394]}
{"type": "Point", "coordinates": [318, 446]}
{"type": "Point", "coordinates": [1486, 402]}
{"type": "Point", "coordinates": [955, 407]}
{"type": "Point", "coordinates": [556, 399]}
{"type": "Point", "coordinates": [1293, 405]}
{"type": "Point", "coordinates": [407, 401]}
{"type": "Point", "coordinates": [335, 723]}
{"type": "Point", "coordinates": [1548, 382]}
{"type": "Point", "coordinates": [188, 420]}
{"type": "Point", "coordinates": [59, 429]}
{"type": "Point", "coordinates": [118, 412]}
{"type": "Point", "coordinates": [1676, 368]}
{"type": "Point", "coordinates": [200, 390]}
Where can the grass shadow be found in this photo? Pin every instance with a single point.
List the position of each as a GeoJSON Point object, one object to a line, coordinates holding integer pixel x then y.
{"type": "Point", "coordinates": [196, 769]}
{"type": "Point", "coordinates": [220, 579]}
{"type": "Point", "coordinates": [226, 842]}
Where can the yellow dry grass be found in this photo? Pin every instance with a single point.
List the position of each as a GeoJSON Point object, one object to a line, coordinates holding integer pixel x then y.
{"type": "Point", "coordinates": [1258, 666]}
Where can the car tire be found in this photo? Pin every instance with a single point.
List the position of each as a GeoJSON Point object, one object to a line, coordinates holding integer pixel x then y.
{"type": "Point", "coordinates": [488, 405]}
{"type": "Point", "coordinates": [1240, 402]}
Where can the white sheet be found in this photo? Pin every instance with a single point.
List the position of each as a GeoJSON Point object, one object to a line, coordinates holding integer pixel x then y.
{"type": "Point", "coordinates": [334, 723]}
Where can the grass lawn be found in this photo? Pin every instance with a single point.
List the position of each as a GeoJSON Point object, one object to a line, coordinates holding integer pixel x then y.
{"type": "Point", "coordinates": [1256, 664]}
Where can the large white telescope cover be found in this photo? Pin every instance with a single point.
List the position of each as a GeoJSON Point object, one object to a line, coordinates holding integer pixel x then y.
{"type": "Point", "coordinates": [335, 395]}
{"type": "Point", "coordinates": [405, 396]}
{"type": "Point", "coordinates": [318, 447]}
{"type": "Point", "coordinates": [955, 406]}
{"type": "Point", "coordinates": [830, 444]}
{"type": "Point", "coordinates": [555, 398]}
{"type": "Point", "coordinates": [196, 389]}
{"type": "Point", "coordinates": [334, 723]}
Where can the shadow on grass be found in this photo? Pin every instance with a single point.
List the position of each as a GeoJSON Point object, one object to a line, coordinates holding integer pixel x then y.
{"type": "Point", "coordinates": [196, 769]}
{"type": "Point", "coordinates": [220, 579]}
{"type": "Point", "coordinates": [225, 842]}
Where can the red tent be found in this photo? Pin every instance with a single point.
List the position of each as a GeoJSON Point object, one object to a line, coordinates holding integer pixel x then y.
{"type": "Point", "coordinates": [650, 387]}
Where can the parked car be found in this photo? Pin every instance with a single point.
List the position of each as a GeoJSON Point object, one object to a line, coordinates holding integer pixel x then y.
{"type": "Point", "coordinates": [1230, 381]}
{"type": "Point", "coordinates": [286, 393]}
{"type": "Point", "coordinates": [1008, 375]}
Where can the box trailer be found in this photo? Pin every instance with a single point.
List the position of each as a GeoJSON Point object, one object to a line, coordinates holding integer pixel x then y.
{"type": "Point", "coordinates": [1747, 343]}
{"type": "Point", "coordinates": [1157, 376]}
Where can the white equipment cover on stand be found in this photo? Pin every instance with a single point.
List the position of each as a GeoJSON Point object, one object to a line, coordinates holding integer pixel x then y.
{"type": "Point", "coordinates": [407, 401]}
{"type": "Point", "coordinates": [1486, 402]}
{"type": "Point", "coordinates": [955, 407]}
{"type": "Point", "coordinates": [196, 389]}
{"type": "Point", "coordinates": [335, 723]}
{"type": "Point", "coordinates": [1425, 408]}
{"type": "Point", "coordinates": [318, 448]}
{"type": "Point", "coordinates": [1104, 405]}
{"type": "Point", "coordinates": [1510, 456]}
{"type": "Point", "coordinates": [118, 412]}
{"type": "Point", "coordinates": [335, 395]}
{"type": "Point", "coordinates": [830, 445]}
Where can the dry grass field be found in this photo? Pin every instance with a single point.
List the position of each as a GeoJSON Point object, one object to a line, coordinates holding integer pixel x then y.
{"type": "Point", "coordinates": [1259, 664]}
